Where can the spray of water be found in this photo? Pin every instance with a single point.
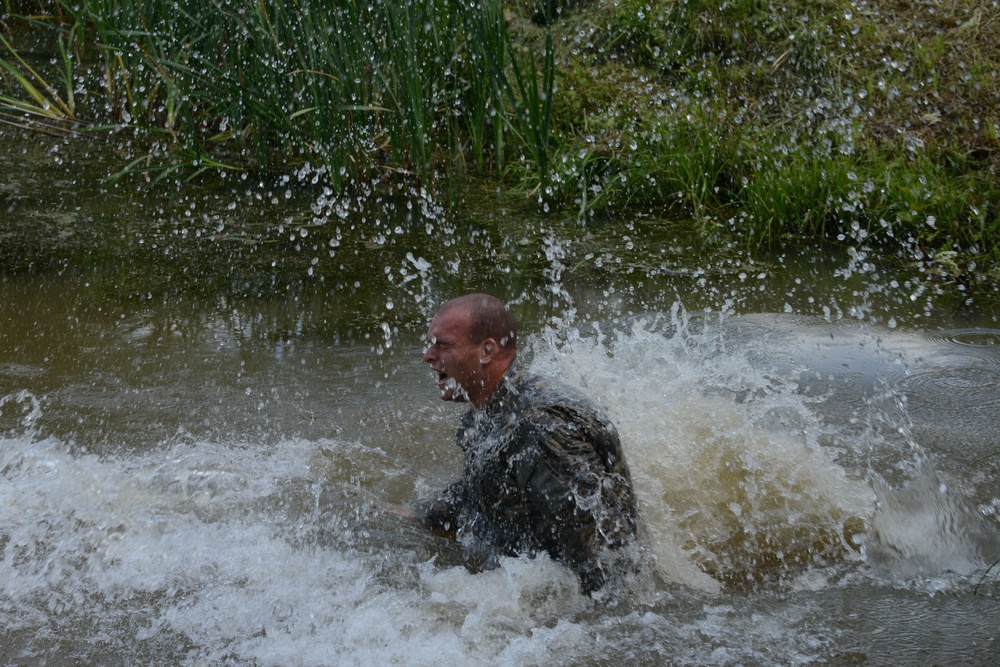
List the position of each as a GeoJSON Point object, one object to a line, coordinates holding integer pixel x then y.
{"type": "Point", "coordinates": [735, 485]}
{"type": "Point", "coordinates": [922, 526]}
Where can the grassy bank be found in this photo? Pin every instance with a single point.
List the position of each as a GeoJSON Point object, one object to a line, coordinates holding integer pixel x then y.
{"type": "Point", "coordinates": [858, 122]}
{"type": "Point", "coordinates": [864, 122]}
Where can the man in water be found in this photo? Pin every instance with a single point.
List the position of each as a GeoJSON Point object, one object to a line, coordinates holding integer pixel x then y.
{"type": "Point", "coordinates": [544, 470]}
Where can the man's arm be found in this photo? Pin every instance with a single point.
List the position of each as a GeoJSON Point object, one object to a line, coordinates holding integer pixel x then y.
{"type": "Point", "coordinates": [584, 504]}
{"type": "Point", "coordinates": [440, 513]}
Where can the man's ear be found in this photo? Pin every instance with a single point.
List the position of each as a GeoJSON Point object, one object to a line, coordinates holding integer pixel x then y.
{"type": "Point", "coordinates": [490, 348]}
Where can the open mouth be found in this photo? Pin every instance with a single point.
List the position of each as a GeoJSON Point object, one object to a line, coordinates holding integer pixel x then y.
{"type": "Point", "coordinates": [449, 386]}
{"type": "Point", "coordinates": [445, 383]}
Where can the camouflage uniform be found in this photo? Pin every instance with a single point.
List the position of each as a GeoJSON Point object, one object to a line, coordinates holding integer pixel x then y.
{"type": "Point", "coordinates": [544, 471]}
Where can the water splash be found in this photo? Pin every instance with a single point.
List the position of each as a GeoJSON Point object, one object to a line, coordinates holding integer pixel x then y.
{"type": "Point", "coordinates": [922, 526]}
{"type": "Point", "coordinates": [27, 408]}
{"type": "Point", "coordinates": [734, 484]}
{"type": "Point", "coordinates": [210, 553]}
{"type": "Point", "coordinates": [925, 528]}
{"type": "Point", "coordinates": [233, 548]}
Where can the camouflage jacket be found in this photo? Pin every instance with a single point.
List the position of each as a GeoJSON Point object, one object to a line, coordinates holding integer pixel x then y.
{"type": "Point", "coordinates": [544, 471]}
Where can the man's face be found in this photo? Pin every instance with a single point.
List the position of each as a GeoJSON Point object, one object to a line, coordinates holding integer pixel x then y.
{"type": "Point", "coordinates": [456, 360]}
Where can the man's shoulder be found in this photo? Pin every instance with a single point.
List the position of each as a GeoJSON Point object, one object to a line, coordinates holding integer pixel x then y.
{"type": "Point", "coordinates": [541, 389]}
{"type": "Point", "coordinates": [544, 395]}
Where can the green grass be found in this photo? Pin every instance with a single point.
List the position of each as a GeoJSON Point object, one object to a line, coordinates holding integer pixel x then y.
{"type": "Point", "coordinates": [361, 90]}
{"type": "Point", "coordinates": [791, 119]}
{"type": "Point", "coordinates": [759, 121]}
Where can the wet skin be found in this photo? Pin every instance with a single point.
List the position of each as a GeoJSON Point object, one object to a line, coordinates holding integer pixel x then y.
{"type": "Point", "coordinates": [466, 370]}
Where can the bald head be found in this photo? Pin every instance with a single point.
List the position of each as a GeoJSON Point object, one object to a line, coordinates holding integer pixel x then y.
{"type": "Point", "coordinates": [489, 317]}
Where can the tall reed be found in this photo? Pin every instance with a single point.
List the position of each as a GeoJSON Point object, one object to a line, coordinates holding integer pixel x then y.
{"type": "Point", "coordinates": [518, 83]}
{"type": "Point", "coordinates": [769, 119]}
{"type": "Point", "coordinates": [359, 89]}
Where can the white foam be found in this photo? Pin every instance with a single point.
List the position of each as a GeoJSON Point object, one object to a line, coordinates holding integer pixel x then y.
{"type": "Point", "coordinates": [199, 538]}
{"type": "Point", "coordinates": [725, 460]}
{"type": "Point", "coordinates": [923, 529]}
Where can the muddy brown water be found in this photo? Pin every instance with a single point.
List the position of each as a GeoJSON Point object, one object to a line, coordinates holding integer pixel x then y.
{"type": "Point", "coordinates": [210, 391]}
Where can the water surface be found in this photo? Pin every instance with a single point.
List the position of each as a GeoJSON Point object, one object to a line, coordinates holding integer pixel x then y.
{"type": "Point", "coordinates": [209, 394]}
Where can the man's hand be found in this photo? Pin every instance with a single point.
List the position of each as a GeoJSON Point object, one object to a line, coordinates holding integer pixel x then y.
{"type": "Point", "coordinates": [406, 512]}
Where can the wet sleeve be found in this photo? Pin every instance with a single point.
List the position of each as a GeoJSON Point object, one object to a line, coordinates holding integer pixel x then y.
{"type": "Point", "coordinates": [581, 491]}
{"type": "Point", "coordinates": [560, 482]}
{"type": "Point", "coordinates": [440, 513]}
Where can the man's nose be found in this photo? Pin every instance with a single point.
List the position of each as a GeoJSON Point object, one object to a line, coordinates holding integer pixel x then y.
{"type": "Point", "coordinates": [428, 356]}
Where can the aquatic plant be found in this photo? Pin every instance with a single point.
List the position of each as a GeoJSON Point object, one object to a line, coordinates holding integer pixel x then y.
{"type": "Point", "coordinates": [360, 89]}
{"type": "Point", "coordinates": [519, 86]}
{"type": "Point", "coordinates": [856, 122]}
{"type": "Point", "coordinates": [45, 102]}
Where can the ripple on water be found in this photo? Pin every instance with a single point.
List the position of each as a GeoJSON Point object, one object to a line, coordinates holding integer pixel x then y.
{"type": "Point", "coordinates": [964, 372]}
{"type": "Point", "coordinates": [971, 337]}
{"type": "Point", "coordinates": [967, 379]}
